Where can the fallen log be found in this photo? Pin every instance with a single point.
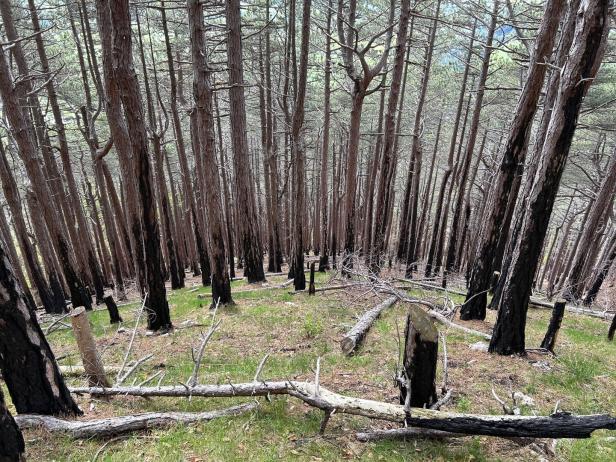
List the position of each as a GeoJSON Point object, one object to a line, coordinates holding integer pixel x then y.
{"type": "Point", "coordinates": [532, 302]}
{"type": "Point", "coordinates": [559, 425]}
{"type": "Point", "coordinates": [402, 433]}
{"type": "Point", "coordinates": [112, 426]}
{"type": "Point", "coordinates": [354, 337]}
{"type": "Point", "coordinates": [78, 370]}
{"type": "Point", "coordinates": [327, 288]}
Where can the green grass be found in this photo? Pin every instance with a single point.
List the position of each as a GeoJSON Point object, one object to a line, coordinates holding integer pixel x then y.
{"type": "Point", "coordinates": [297, 329]}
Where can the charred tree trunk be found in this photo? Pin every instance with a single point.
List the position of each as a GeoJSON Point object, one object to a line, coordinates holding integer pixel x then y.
{"type": "Point", "coordinates": [124, 73]}
{"type": "Point", "coordinates": [12, 446]}
{"type": "Point", "coordinates": [549, 341]}
{"type": "Point", "coordinates": [388, 158]}
{"type": "Point", "coordinates": [418, 378]}
{"type": "Point", "coordinates": [114, 314]}
{"type": "Point", "coordinates": [39, 387]}
{"type": "Point", "coordinates": [604, 269]}
{"type": "Point", "coordinates": [585, 56]}
{"type": "Point", "coordinates": [27, 151]}
{"type": "Point", "coordinates": [513, 157]}
{"type": "Point", "coordinates": [592, 233]}
{"type": "Point", "coordinates": [203, 95]}
{"type": "Point", "coordinates": [298, 150]}
{"type": "Point", "coordinates": [248, 222]}
{"type": "Point", "coordinates": [322, 222]}
{"type": "Point", "coordinates": [433, 262]}
{"type": "Point", "coordinates": [451, 264]}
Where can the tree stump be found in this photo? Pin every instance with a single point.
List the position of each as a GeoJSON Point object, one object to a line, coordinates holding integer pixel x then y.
{"type": "Point", "coordinates": [91, 361]}
{"type": "Point", "coordinates": [311, 288]}
{"type": "Point", "coordinates": [420, 358]}
{"type": "Point", "coordinates": [612, 329]}
{"type": "Point", "coordinates": [12, 445]}
{"type": "Point", "coordinates": [114, 314]}
{"type": "Point", "coordinates": [552, 333]}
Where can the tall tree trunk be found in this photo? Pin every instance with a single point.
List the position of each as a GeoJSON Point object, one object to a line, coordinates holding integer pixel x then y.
{"type": "Point", "coordinates": [432, 261]}
{"type": "Point", "coordinates": [513, 157]}
{"type": "Point", "coordinates": [203, 95]}
{"type": "Point", "coordinates": [451, 264]}
{"type": "Point", "coordinates": [27, 151]}
{"type": "Point", "coordinates": [592, 233]}
{"type": "Point", "coordinates": [386, 177]}
{"type": "Point", "coordinates": [50, 303]}
{"type": "Point", "coordinates": [248, 220]}
{"type": "Point", "coordinates": [124, 73]}
{"type": "Point", "coordinates": [602, 273]}
{"type": "Point", "coordinates": [409, 250]}
{"type": "Point", "coordinates": [591, 26]}
{"type": "Point", "coordinates": [298, 152]}
{"type": "Point", "coordinates": [322, 222]}
{"type": "Point", "coordinates": [196, 247]}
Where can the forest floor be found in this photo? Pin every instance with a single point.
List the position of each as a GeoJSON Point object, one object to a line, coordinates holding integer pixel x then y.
{"type": "Point", "coordinates": [295, 330]}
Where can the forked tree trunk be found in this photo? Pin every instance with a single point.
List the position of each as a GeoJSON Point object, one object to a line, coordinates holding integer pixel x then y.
{"type": "Point", "coordinates": [591, 26]}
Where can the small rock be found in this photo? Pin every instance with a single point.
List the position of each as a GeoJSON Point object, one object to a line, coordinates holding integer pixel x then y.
{"type": "Point", "coordinates": [121, 330]}
{"type": "Point", "coordinates": [523, 399]}
{"type": "Point", "coordinates": [542, 365]}
{"type": "Point", "coordinates": [479, 346]}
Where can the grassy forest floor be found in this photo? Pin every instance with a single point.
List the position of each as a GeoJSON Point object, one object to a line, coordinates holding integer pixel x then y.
{"type": "Point", "coordinates": [295, 330]}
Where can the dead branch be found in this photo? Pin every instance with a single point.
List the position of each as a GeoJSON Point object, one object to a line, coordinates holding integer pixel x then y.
{"type": "Point", "coordinates": [558, 425]}
{"type": "Point", "coordinates": [112, 426]}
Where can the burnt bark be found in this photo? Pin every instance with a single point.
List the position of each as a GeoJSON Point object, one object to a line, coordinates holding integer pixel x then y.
{"type": "Point", "coordinates": [12, 445]}
{"type": "Point", "coordinates": [248, 220]}
{"type": "Point", "coordinates": [591, 24]}
{"type": "Point", "coordinates": [39, 387]}
{"type": "Point", "coordinates": [504, 195]}
{"type": "Point", "coordinates": [203, 96]}
{"type": "Point", "coordinates": [549, 341]}
{"type": "Point", "coordinates": [124, 73]}
{"type": "Point", "coordinates": [419, 362]}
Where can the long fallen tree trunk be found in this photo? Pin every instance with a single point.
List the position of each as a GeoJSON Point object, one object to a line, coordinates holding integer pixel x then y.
{"type": "Point", "coordinates": [532, 302]}
{"type": "Point", "coordinates": [353, 338]}
{"type": "Point", "coordinates": [118, 425]}
{"type": "Point", "coordinates": [560, 425]}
